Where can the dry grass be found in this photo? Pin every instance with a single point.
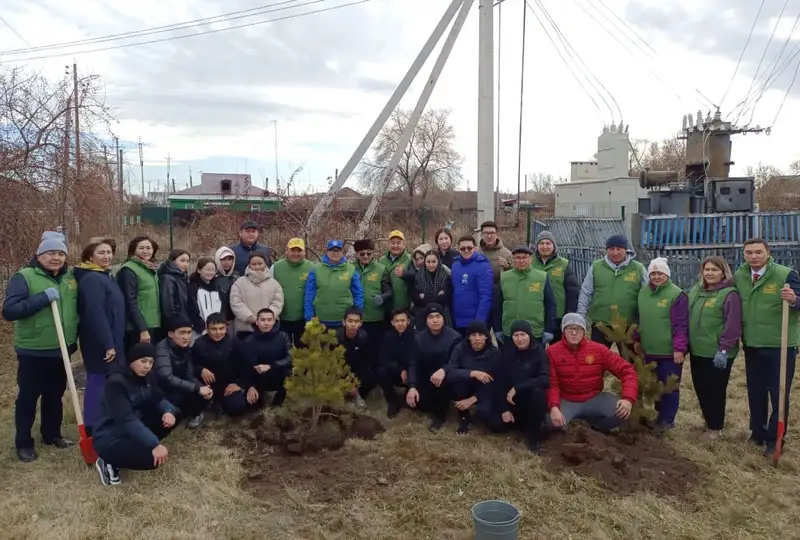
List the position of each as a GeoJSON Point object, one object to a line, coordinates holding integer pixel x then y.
{"type": "Point", "coordinates": [433, 481]}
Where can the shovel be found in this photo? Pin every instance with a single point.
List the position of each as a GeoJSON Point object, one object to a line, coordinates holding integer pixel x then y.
{"type": "Point", "coordinates": [85, 442]}
{"type": "Point", "coordinates": [782, 383]}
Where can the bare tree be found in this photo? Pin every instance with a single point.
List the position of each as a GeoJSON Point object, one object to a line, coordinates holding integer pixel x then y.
{"type": "Point", "coordinates": [430, 162]}
{"type": "Point", "coordinates": [667, 155]}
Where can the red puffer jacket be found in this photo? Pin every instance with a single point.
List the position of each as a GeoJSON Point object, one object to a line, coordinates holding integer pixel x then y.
{"type": "Point", "coordinates": [577, 374]}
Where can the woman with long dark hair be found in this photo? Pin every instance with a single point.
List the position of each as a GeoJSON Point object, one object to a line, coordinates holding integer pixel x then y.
{"type": "Point", "coordinates": [432, 285]}
{"type": "Point", "coordinates": [138, 282]}
{"type": "Point", "coordinates": [444, 246]}
{"type": "Point", "coordinates": [101, 326]}
{"type": "Point", "coordinates": [174, 298]}
{"type": "Point", "coordinates": [204, 293]}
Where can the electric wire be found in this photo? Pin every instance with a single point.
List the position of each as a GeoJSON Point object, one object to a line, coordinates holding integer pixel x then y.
{"type": "Point", "coordinates": [205, 32]}
{"type": "Point", "coordinates": [564, 60]}
{"type": "Point", "coordinates": [626, 25]}
{"type": "Point", "coordinates": [741, 55]}
{"type": "Point", "coordinates": [574, 54]}
{"type": "Point", "coordinates": [14, 31]}
{"type": "Point", "coordinates": [224, 17]}
{"type": "Point", "coordinates": [786, 95]}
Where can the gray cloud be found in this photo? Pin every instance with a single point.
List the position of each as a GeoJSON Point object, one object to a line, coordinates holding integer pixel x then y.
{"type": "Point", "coordinates": [720, 29]}
{"type": "Point", "coordinates": [210, 81]}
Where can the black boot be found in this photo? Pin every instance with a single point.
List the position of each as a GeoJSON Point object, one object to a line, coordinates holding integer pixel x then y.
{"type": "Point", "coordinates": [279, 398]}
{"type": "Point", "coordinates": [393, 408]}
{"type": "Point", "coordinates": [464, 423]}
{"type": "Point", "coordinates": [27, 455]}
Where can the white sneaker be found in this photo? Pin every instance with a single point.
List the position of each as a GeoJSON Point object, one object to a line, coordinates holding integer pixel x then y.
{"type": "Point", "coordinates": [109, 475]}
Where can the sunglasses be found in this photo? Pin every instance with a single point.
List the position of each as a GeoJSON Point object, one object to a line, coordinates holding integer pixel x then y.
{"type": "Point", "coordinates": [466, 249]}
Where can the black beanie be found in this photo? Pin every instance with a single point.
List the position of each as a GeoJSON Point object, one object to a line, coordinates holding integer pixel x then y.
{"type": "Point", "coordinates": [363, 245]}
{"type": "Point", "coordinates": [139, 351]}
{"type": "Point", "coordinates": [178, 322]}
{"type": "Point", "coordinates": [432, 309]}
{"type": "Point", "coordinates": [477, 327]}
{"type": "Point", "coordinates": [617, 240]}
{"type": "Point", "coordinates": [522, 326]}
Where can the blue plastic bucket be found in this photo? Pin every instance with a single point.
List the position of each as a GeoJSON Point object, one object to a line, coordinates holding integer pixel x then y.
{"type": "Point", "coordinates": [495, 520]}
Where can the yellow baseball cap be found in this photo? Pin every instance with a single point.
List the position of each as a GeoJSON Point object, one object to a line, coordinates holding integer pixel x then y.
{"type": "Point", "coordinates": [397, 234]}
{"type": "Point", "coordinates": [296, 243]}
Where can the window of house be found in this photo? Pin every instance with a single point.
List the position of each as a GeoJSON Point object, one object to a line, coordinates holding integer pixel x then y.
{"type": "Point", "coordinates": [225, 186]}
{"type": "Point", "coordinates": [254, 208]}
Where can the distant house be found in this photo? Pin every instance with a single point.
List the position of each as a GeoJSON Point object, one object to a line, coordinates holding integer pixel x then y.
{"type": "Point", "coordinates": [232, 191]}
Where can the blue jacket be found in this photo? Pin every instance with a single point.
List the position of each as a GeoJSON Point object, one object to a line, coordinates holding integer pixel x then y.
{"type": "Point", "coordinates": [242, 255]}
{"type": "Point", "coordinates": [310, 292]}
{"type": "Point", "coordinates": [101, 308]}
{"type": "Point", "coordinates": [473, 284]}
{"type": "Point", "coordinates": [19, 304]}
{"type": "Point", "coordinates": [127, 400]}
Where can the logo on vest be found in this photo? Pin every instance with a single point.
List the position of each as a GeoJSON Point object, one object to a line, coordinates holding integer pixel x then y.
{"type": "Point", "coordinates": [72, 284]}
{"type": "Point", "coordinates": [711, 302]}
{"type": "Point", "coordinates": [589, 360]}
{"type": "Point", "coordinates": [631, 276]}
{"type": "Point", "coordinates": [770, 289]}
{"type": "Point", "coordinates": [304, 277]}
{"type": "Point", "coordinates": [535, 287]}
{"type": "Point", "coordinates": [373, 276]}
{"type": "Point", "coordinates": [344, 277]}
{"type": "Point", "coordinates": [557, 272]}
{"type": "Point", "coordinates": [662, 303]}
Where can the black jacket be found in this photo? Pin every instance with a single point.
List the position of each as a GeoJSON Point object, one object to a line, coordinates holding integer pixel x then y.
{"type": "Point", "coordinates": [273, 348]}
{"type": "Point", "coordinates": [523, 370]}
{"type": "Point", "coordinates": [224, 283]}
{"type": "Point", "coordinates": [175, 300]}
{"type": "Point", "coordinates": [126, 400]}
{"type": "Point", "coordinates": [227, 359]}
{"type": "Point", "coordinates": [431, 353]}
{"type": "Point", "coordinates": [205, 299]}
{"type": "Point", "coordinates": [355, 350]}
{"type": "Point", "coordinates": [464, 360]}
{"type": "Point", "coordinates": [175, 369]}
{"type": "Point", "coordinates": [448, 257]}
{"type": "Point", "coordinates": [129, 285]}
{"type": "Point", "coordinates": [396, 350]}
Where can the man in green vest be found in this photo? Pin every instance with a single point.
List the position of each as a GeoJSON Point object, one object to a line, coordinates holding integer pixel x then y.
{"type": "Point", "coordinates": [40, 373]}
{"type": "Point", "coordinates": [562, 276]}
{"type": "Point", "coordinates": [764, 286]}
{"type": "Point", "coordinates": [377, 286]}
{"type": "Point", "coordinates": [611, 286]}
{"type": "Point", "coordinates": [332, 287]}
{"type": "Point", "coordinates": [292, 273]}
{"type": "Point", "coordinates": [525, 294]}
{"type": "Point", "coordinates": [396, 260]}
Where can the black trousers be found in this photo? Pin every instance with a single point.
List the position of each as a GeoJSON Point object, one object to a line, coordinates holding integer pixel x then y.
{"type": "Point", "coordinates": [466, 389]}
{"type": "Point", "coordinates": [388, 378]}
{"type": "Point", "coordinates": [236, 403]}
{"type": "Point", "coordinates": [557, 334]}
{"type": "Point", "coordinates": [295, 330]}
{"type": "Point", "coordinates": [45, 378]}
{"type": "Point", "coordinates": [711, 386]}
{"type": "Point", "coordinates": [131, 337]}
{"type": "Point", "coordinates": [130, 453]}
{"type": "Point", "coordinates": [762, 367]}
{"type": "Point", "coordinates": [272, 381]}
{"type": "Point", "coordinates": [188, 405]}
{"type": "Point", "coordinates": [599, 337]}
{"type": "Point", "coordinates": [529, 412]}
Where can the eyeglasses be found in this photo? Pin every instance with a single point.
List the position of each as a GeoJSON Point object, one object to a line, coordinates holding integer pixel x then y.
{"type": "Point", "coordinates": [573, 329]}
{"type": "Point", "coordinates": [466, 249]}
{"type": "Point", "coordinates": [489, 233]}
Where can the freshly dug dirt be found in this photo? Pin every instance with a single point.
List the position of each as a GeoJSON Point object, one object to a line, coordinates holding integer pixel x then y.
{"type": "Point", "coordinates": [624, 463]}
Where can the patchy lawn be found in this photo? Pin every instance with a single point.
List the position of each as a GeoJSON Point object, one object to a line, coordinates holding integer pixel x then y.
{"type": "Point", "coordinates": [408, 484]}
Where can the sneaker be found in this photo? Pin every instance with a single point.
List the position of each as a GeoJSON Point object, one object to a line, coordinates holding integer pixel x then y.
{"type": "Point", "coordinates": [195, 421]}
{"type": "Point", "coordinates": [712, 435]}
{"type": "Point", "coordinates": [109, 475]}
{"type": "Point", "coordinates": [360, 403]}
{"type": "Point", "coordinates": [436, 425]}
{"type": "Point", "coordinates": [463, 426]}
{"type": "Point", "coordinates": [533, 445]}
{"type": "Point", "coordinates": [393, 409]}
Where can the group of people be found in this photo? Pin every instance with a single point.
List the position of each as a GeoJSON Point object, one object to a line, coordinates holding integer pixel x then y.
{"type": "Point", "coordinates": [422, 320]}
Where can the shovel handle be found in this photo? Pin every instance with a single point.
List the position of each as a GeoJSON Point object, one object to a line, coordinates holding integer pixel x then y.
{"type": "Point", "coordinates": [62, 343]}
{"type": "Point", "coordinates": [782, 379]}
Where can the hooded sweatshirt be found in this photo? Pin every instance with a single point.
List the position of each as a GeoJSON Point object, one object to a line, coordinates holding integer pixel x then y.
{"type": "Point", "coordinates": [253, 292]}
{"type": "Point", "coordinates": [225, 280]}
{"type": "Point", "coordinates": [207, 299]}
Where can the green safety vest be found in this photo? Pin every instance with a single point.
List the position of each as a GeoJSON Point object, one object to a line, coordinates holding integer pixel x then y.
{"type": "Point", "coordinates": [707, 321]}
{"type": "Point", "coordinates": [556, 268]}
{"type": "Point", "coordinates": [615, 290]}
{"type": "Point", "coordinates": [38, 332]}
{"type": "Point", "coordinates": [523, 298]}
{"type": "Point", "coordinates": [655, 325]}
{"type": "Point", "coordinates": [762, 307]}
{"type": "Point", "coordinates": [334, 296]}
{"type": "Point", "coordinates": [147, 296]}
{"type": "Point", "coordinates": [292, 278]}
{"type": "Point", "coordinates": [371, 278]}
{"type": "Point", "coordinates": [400, 296]}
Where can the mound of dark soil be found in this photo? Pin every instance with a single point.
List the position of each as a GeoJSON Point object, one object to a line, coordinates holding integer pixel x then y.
{"type": "Point", "coordinates": [624, 463]}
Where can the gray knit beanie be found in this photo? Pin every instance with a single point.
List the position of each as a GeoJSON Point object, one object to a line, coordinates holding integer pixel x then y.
{"type": "Point", "coordinates": [573, 319]}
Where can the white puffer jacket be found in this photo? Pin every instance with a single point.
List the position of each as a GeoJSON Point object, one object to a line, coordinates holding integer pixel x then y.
{"type": "Point", "coordinates": [252, 293]}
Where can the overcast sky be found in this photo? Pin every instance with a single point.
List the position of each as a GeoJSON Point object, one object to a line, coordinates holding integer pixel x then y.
{"type": "Point", "coordinates": [209, 100]}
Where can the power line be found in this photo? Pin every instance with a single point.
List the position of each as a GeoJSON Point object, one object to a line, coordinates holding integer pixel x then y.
{"type": "Point", "coordinates": [252, 12]}
{"type": "Point", "coordinates": [22, 39]}
{"type": "Point", "coordinates": [212, 31]}
{"type": "Point", "coordinates": [746, 43]}
{"type": "Point", "coordinates": [568, 66]}
{"type": "Point", "coordinates": [786, 95]}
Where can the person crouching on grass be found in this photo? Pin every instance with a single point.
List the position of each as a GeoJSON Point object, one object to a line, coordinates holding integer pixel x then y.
{"type": "Point", "coordinates": [355, 341]}
{"type": "Point", "coordinates": [270, 353]}
{"type": "Point", "coordinates": [663, 334]}
{"type": "Point", "coordinates": [577, 370]}
{"type": "Point", "coordinates": [134, 418]}
{"type": "Point", "coordinates": [176, 374]}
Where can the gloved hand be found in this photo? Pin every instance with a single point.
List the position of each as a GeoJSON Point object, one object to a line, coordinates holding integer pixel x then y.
{"type": "Point", "coordinates": [547, 337]}
{"type": "Point", "coordinates": [721, 360]}
{"type": "Point", "coordinates": [377, 300]}
{"type": "Point", "coordinates": [52, 294]}
{"type": "Point", "coordinates": [499, 337]}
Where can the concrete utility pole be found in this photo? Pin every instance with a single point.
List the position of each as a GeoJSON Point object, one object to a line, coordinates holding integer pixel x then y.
{"type": "Point", "coordinates": [394, 100]}
{"type": "Point", "coordinates": [141, 165]}
{"type": "Point", "coordinates": [169, 162]}
{"type": "Point", "coordinates": [78, 167]}
{"type": "Point", "coordinates": [485, 111]}
{"type": "Point", "coordinates": [413, 120]}
{"type": "Point", "coordinates": [121, 175]}
{"type": "Point", "coordinates": [277, 178]}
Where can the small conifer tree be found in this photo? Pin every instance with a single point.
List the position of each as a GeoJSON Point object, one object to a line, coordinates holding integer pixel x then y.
{"type": "Point", "coordinates": [320, 375]}
{"type": "Point", "coordinates": [650, 388]}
